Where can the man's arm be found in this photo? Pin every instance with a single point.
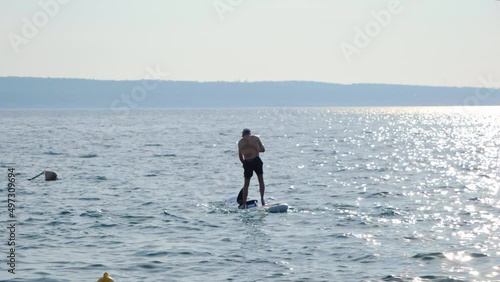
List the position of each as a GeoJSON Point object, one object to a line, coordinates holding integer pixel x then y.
{"type": "Point", "coordinates": [261, 147]}
{"type": "Point", "coordinates": [240, 155]}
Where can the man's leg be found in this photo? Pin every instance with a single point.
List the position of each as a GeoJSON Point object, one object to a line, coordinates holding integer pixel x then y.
{"type": "Point", "coordinates": [262, 187]}
{"type": "Point", "coordinates": [245, 193]}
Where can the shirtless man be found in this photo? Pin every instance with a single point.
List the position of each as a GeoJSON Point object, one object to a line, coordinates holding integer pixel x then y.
{"type": "Point", "coordinates": [249, 148]}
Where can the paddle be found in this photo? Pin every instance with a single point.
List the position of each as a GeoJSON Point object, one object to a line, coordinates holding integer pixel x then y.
{"type": "Point", "coordinates": [36, 176]}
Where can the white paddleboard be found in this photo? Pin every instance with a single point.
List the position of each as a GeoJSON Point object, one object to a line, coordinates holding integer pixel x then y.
{"type": "Point", "coordinates": [276, 208]}
{"type": "Point", "coordinates": [254, 204]}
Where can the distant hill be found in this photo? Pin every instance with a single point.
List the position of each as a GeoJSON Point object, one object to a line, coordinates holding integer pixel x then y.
{"type": "Point", "coordinates": [40, 93]}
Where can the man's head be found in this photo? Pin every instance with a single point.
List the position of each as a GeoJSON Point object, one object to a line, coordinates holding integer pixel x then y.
{"type": "Point", "coordinates": [245, 132]}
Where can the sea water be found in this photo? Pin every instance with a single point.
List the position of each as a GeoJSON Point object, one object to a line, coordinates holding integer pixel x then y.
{"type": "Point", "coordinates": [375, 194]}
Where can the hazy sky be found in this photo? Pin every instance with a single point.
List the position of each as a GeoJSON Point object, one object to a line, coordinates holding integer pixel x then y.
{"type": "Point", "coordinates": [424, 42]}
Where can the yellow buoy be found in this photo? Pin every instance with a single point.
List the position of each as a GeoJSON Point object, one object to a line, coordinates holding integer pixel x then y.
{"type": "Point", "coordinates": [105, 278]}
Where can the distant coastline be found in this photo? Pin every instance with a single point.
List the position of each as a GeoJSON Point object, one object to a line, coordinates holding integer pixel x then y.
{"type": "Point", "coordinates": [48, 93]}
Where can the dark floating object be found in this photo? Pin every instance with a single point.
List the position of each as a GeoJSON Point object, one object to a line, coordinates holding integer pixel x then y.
{"type": "Point", "coordinates": [49, 176]}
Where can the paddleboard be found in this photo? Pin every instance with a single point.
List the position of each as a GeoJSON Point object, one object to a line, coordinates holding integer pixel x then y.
{"type": "Point", "coordinates": [254, 205]}
{"type": "Point", "coordinates": [276, 208]}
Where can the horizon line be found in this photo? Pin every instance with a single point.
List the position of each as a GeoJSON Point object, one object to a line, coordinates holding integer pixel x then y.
{"type": "Point", "coordinates": [245, 81]}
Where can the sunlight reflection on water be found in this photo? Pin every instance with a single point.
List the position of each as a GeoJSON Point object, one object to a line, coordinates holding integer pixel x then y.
{"type": "Point", "coordinates": [408, 194]}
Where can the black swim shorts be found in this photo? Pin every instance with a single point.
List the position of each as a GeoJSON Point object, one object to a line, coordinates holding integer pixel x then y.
{"type": "Point", "coordinates": [252, 165]}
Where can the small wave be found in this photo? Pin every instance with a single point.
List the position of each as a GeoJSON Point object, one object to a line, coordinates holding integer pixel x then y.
{"type": "Point", "coordinates": [344, 206]}
{"type": "Point", "coordinates": [164, 155]}
{"type": "Point", "coordinates": [441, 278]}
{"type": "Point", "coordinates": [87, 156]}
{"type": "Point", "coordinates": [380, 194]}
{"type": "Point", "coordinates": [339, 235]}
{"type": "Point", "coordinates": [366, 259]}
{"type": "Point", "coordinates": [388, 212]}
{"type": "Point", "coordinates": [449, 256]}
{"type": "Point", "coordinates": [92, 213]}
{"type": "Point", "coordinates": [105, 225]}
{"type": "Point", "coordinates": [412, 237]}
{"type": "Point", "coordinates": [152, 254]}
{"type": "Point", "coordinates": [147, 266]}
{"type": "Point", "coordinates": [89, 199]}
{"type": "Point", "coordinates": [223, 210]}
{"type": "Point", "coordinates": [58, 222]}
{"type": "Point", "coordinates": [170, 214]}
{"type": "Point", "coordinates": [392, 279]}
{"type": "Point", "coordinates": [31, 219]}
{"type": "Point", "coordinates": [385, 212]}
{"type": "Point", "coordinates": [52, 153]}
{"type": "Point", "coordinates": [137, 217]}
{"type": "Point", "coordinates": [429, 256]}
{"type": "Point", "coordinates": [94, 266]}
{"type": "Point", "coordinates": [153, 145]}
{"type": "Point", "coordinates": [478, 255]}
{"type": "Point", "coordinates": [150, 175]}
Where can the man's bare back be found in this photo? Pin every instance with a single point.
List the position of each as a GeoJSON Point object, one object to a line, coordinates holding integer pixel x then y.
{"type": "Point", "coordinates": [250, 146]}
